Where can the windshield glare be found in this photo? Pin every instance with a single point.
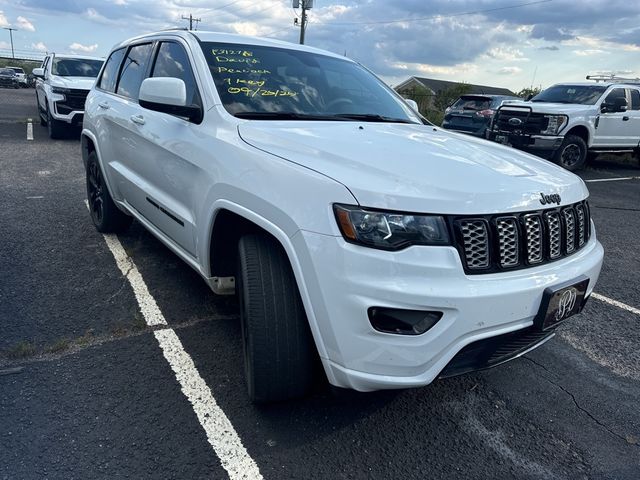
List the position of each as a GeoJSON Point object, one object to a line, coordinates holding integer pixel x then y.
{"type": "Point", "coordinates": [267, 82]}
{"type": "Point", "coordinates": [76, 67]}
{"type": "Point", "coordinates": [580, 94]}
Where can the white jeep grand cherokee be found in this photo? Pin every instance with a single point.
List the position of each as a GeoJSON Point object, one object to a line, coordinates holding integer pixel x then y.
{"type": "Point", "coordinates": [356, 235]}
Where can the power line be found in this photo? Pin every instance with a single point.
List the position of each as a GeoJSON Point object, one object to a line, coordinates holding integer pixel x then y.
{"type": "Point", "coordinates": [432, 17]}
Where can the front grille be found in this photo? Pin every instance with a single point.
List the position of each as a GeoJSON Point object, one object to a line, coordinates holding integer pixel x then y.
{"type": "Point", "coordinates": [491, 243]}
{"type": "Point", "coordinates": [530, 123]}
{"type": "Point", "coordinates": [74, 100]}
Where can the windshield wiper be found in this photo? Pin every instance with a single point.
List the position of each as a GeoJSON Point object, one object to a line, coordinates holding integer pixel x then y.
{"type": "Point", "coordinates": [282, 116]}
{"type": "Point", "coordinates": [371, 117]}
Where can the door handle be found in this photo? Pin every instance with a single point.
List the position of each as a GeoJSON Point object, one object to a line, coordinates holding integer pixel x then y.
{"type": "Point", "coordinates": [625, 118]}
{"type": "Point", "coordinates": [104, 105]}
{"type": "Point", "coordinates": [139, 119]}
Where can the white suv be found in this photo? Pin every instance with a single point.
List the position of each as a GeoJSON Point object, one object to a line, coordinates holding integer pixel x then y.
{"type": "Point", "coordinates": [62, 85]}
{"type": "Point", "coordinates": [355, 235]}
{"type": "Point", "coordinates": [569, 122]}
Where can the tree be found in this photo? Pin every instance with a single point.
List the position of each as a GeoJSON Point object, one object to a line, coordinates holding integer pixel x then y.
{"type": "Point", "coordinates": [525, 92]}
{"type": "Point", "coordinates": [433, 106]}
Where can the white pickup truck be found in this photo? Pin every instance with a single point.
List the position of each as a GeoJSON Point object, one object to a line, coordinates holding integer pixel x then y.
{"type": "Point", "coordinates": [568, 123]}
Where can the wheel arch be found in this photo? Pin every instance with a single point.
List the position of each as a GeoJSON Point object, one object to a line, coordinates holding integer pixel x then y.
{"type": "Point", "coordinates": [580, 131]}
{"type": "Point", "coordinates": [223, 252]}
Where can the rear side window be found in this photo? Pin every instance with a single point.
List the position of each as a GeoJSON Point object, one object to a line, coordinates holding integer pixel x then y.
{"type": "Point", "coordinates": [172, 61]}
{"type": "Point", "coordinates": [110, 72]}
{"type": "Point", "coordinates": [635, 99]}
{"type": "Point", "coordinates": [133, 70]}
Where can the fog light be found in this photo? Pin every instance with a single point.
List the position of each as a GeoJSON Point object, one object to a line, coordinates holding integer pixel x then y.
{"type": "Point", "coordinates": [402, 322]}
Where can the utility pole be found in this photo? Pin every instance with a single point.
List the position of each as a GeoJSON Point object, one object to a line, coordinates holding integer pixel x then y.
{"type": "Point", "coordinates": [305, 5]}
{"type": "Point", "coordinates": [11, 30]}
{"type": "Point", "coordinates": [191, 20]}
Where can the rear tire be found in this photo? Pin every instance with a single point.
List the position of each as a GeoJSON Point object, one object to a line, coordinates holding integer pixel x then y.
{"type": "Point", "coordinates": [572, 154]}
{"type": "Point", "coordinates": [106, 216]}
{"type": "Point", "coordinates": [279, 352]}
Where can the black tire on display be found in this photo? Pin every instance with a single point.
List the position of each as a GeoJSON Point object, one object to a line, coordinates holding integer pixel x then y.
{"type": "Point", "coordinates": [279, 352]}
{"type": "Point", "coordinates": [572, 154]}
{"type": "Point", "coordinates": [106, 216]}
{"type": "Point", "coordinates": [56, 128]}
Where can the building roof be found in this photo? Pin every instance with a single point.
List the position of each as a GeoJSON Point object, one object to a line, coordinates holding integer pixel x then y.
{"type": "Point", "coordinates": [437, 86]}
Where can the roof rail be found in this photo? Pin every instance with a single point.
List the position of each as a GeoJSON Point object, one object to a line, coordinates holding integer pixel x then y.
{"type": "Point", "coordinates": [175, 28]}
{"type": "Point", "coordinates": [612, 78]}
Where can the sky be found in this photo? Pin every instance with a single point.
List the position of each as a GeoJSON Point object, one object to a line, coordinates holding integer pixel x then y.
{"type": "Point", "coordinates": [506, 43]}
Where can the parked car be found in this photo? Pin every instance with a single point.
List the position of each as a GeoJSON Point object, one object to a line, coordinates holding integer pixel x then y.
{"type": "Point", "coordinates": [8, 78]}
{"type": "Point", "coordinates": [390, 252]}
{"type": "Point", "coordinates": [22, 78]}
{"type": "Point", "coordinates": [62, 85]}
{"type": "Point", "coordinates": [472, 114]}
{"type": "Point", "coordinates": [569, 121]}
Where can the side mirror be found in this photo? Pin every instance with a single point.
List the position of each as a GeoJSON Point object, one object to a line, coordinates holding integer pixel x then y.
{"type": "Point", "coordinates": [618, 104]}
{"type": "Point", "coordinates": [168, 95]}
{"type": "Point", "coordinates": [38, 72]}
{"type": "Point", "coordinates": [413, 104]}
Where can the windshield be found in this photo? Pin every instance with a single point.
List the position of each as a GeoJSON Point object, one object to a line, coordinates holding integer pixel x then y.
{"type": "Point", "coordinates": [17, 70]}
{"type": "Point", "coordinates": [581, 94]}
{"type": "Point", "coordinates": [7, 72]}
{"type": "Point", "coordinates": [75, 67]}
{"type": "Point", "coordinates": [278, 83]}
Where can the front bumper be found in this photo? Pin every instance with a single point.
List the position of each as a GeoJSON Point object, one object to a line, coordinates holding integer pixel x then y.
{"type": "Point", "coordinates": [539, 144]}
{"type": "Point", "coordinates": [344, 280]}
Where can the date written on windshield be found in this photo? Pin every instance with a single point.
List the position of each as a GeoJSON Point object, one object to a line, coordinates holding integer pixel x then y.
{"type": "Point", "coordinates": [262, 92]}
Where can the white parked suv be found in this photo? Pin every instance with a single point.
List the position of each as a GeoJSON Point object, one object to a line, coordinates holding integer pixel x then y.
{"type": "Point", "coordinates": [357, 237]}
{"type": "Point", "coordinates": [62, 85]}
{"type": "Point", "coordinates": [567, 123]}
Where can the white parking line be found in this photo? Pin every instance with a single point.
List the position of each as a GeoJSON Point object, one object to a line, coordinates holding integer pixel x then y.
{"type": "Point", "coordinates": [617, 179]}
{"type": "Point", "coordinates": [616, 303]}
{"type": "Point", "coordinates": [29, 130]}
{"type": "Point", "coordinates": [220, 432]}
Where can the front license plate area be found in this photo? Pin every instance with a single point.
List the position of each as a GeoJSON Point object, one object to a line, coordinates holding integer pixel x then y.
{"type": "Point", "coordinates": [561, 302]}
{"type": "Point", "coordinates": [503, 139]}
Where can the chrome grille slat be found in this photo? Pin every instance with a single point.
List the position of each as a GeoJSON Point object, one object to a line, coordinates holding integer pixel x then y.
{"type": "Point", "coordinates": [555, 236]}
{"type": "Point", "coordinates": [533, 233]}
{"type": "Point", "coordinates": [508, 244]}
{"type": "Point", "coordinates": [489, 243]}
{"type": "Point", "coordinates": [570, 230]}
{"type": "Point", "coordinates": [581, 225]}
{"type": "Point", "coordinates": [476, 243]}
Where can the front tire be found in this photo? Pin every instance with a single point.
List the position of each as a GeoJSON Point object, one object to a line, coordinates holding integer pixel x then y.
{"type": "Point", "coordinates": [279, 353]}
{"type": "Point", "coordinates": [106, 216]}
{"type": "Point", "coordinates": [572, 154]}
{"type": "Point", "coordinates": [56, 128]}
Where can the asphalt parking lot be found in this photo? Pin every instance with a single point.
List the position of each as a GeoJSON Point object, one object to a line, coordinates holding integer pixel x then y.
{"type": "Point", "coordinates": [91, 388]}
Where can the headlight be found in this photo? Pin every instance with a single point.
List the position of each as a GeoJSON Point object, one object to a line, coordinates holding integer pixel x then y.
{"type": "Point", "coordinates": [58, 94]}
{"type": "Point", "coordinates": [556, 122]}
{"type": "Point", "coordinates": [390, 230]}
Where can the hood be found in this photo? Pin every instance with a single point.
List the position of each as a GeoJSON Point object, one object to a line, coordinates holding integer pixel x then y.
{"type": "Point", "coordinates": [416, 168]}
{"type": "Point", "coordinates": [82, 83]}
{"type": "Point", "coordinates": [547, 107]}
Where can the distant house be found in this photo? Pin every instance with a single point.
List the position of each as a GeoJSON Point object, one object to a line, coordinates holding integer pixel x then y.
{"type": "Point", "coordinates": [436, 86]}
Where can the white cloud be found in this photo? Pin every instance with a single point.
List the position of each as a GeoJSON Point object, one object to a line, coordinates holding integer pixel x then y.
{"type": "Point", "coordinates": [509, 54]}
{"type": "Point", "coordinates": [588, 52]}
{"type": "Point", "coordinates": [24, 24]}
{"type": "Point", "coordinates": [5, 45]}
{"type": "Point", "coordinates": [510, 70]}
{"type": "Point", "coordinates": [40, 46]}
{"type": "Point", "coordinates": [3, 20]}
{"type": "Point", "coordinates": [78, 47]}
